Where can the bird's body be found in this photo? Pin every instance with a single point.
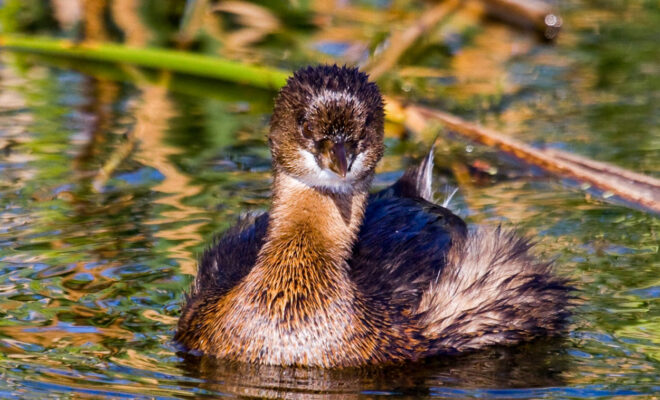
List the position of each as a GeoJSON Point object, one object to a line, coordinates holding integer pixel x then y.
{"type": "Point", "coordinates": [332, 276]}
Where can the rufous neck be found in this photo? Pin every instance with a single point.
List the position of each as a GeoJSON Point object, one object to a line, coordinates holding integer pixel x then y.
{"type": "Point", "coordinates": [319, 225]}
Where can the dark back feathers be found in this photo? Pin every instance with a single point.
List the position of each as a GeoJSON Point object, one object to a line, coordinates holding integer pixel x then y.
{"type": "Point", "coordinates": [401, 246]}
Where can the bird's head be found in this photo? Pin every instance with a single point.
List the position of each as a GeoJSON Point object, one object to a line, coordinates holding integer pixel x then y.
{"type": "Point", "coordinates": [327, 128]}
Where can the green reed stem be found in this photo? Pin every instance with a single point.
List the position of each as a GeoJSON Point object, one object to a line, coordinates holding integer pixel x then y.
{"type": "Point", "coordinates": [173, 60]}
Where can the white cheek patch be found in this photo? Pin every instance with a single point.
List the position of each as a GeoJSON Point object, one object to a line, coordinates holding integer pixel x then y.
{"type": "Point", "coordinates": [357, 167]}
{"type": "Point", "coordinates": [318, 177]}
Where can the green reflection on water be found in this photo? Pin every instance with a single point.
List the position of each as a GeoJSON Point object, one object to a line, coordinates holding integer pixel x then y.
{"type": "Point", "coordinates": [92, 271]}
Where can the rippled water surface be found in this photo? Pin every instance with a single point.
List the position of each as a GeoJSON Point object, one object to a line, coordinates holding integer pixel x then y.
{"type": "Point", "coordinates": [112, 179]}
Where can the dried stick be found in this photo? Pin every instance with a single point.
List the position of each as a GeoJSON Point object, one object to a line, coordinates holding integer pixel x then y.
{"type": "Point", "coordinates": [603, 167]}
{"type": "Point", "coordinates": [528, 14]}
{"type": "Point", "coordinates": [634, 187]}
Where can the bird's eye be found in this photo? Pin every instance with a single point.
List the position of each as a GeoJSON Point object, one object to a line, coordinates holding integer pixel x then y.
{"type": "Point", "coordinates": [324, 145]}
{"type": "Point", "coordinates": [306, 130]}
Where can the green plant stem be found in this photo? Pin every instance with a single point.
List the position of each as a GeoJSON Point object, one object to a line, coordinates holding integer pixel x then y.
{"type": "Point", "coordinates": [173, 60]}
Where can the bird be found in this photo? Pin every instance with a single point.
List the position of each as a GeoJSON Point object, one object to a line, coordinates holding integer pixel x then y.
{"type": "Point", "coordinates": [333, 276]}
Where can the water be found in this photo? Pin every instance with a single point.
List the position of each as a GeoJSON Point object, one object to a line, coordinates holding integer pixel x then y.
{"type": "Point", "coordinates": [93, 264]}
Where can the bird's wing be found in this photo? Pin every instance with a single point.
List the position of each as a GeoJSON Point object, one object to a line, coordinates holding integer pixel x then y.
{"type": "Point", "coordinates": [402, 247]}
{"type": "Point", "coordinates": [232, 256]}
{"type": "Point", "coordinates": [405, 238]}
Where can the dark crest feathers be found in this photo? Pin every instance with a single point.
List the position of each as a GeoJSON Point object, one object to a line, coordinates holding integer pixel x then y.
{"type": "Point", "coordinates": [309, 83]}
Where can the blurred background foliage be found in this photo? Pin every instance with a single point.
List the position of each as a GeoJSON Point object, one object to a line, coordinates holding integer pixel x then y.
{"type": "Point", "coordinates": [113, 177]}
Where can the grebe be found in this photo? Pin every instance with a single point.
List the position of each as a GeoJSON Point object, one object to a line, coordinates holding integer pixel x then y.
{"type": "Point", "coordinates": [334, 277]}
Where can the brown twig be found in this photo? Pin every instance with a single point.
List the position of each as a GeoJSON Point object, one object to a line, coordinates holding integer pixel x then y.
{"type": "Point", "coordinates": [528, 14]}
{"type": "Point", "coordinates": [604, 167]}
{"type": "Point", "coordinates": [401, 41]}
{"type": "Point", "coordinates": [634, 187]}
